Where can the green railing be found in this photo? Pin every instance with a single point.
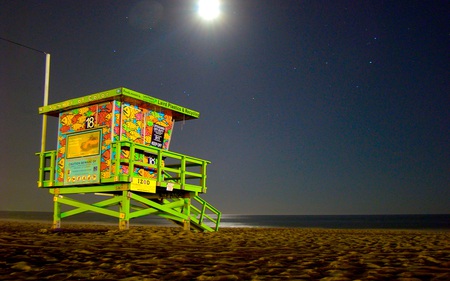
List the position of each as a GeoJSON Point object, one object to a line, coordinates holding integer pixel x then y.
{"type": "Point", "coordinates": [203, 217]}
{"type": "Point", "coordinates": [198, 215]}
{"type": "Point", "coordinates": [173, 170]}
{"type": "Point", "coordinates": [47, 161]}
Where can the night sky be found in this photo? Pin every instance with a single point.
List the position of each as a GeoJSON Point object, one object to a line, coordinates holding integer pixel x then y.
{"type": "Point", "coordinates": [306, 107]}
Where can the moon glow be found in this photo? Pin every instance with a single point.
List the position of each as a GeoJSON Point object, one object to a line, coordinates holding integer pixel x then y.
{"type": "Point", "coordinates": [209, 9]}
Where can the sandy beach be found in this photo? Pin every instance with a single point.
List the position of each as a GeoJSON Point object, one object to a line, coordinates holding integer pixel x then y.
{"type": "Point", "coordinates": [31, 251]}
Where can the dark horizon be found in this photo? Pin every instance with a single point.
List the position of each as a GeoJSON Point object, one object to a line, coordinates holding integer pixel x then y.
{"type": "Point", "coordinates": [234, 214]}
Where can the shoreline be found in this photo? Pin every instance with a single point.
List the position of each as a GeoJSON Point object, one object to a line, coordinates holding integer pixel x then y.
{"type": "Point", "coordinates": [115, 225]}
{"type": "Point", "coordinates": [87, 251]}
{"type": "Point", "coordinates": [411, 221]}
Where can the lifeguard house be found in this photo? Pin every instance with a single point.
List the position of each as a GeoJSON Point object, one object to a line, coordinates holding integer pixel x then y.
{"type": "Point", "coordinates": [116, 143]}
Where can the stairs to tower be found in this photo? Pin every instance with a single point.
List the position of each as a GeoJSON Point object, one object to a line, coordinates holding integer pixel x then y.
{"type": "Point", "coordinates": [203, 217]}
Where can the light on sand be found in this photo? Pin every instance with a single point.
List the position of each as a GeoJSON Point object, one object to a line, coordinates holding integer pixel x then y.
{"type": "Point", "coordinates": [209, 9]}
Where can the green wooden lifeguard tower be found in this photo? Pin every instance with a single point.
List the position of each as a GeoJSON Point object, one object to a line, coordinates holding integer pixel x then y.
{"type": "Point", "coordinates": [116, 143]}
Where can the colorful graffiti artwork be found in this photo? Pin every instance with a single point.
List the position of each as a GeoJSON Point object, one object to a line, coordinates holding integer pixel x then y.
{"type": "Point", "coordinates": [132, 123]}
{"type": "Point", "coordinates": [148, 127]}
{"type": "Point", "coordinates": [81, 119]}
{"type": "Point", "coordinates": [104, 118]}
{"type": "Point", "coordinates": [159, 126]}
{"type": "Point", "coordinates": [117, 121]}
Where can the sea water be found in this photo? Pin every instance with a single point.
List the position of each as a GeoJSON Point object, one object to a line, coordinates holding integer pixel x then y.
{"type": "Point", "coordinates": [441, 222]}
{"type": "Point", "coordinates": [430, 222]}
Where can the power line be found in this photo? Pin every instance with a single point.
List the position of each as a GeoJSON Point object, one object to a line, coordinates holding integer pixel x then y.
{"type": "Point", "coordinates": [22, 45]}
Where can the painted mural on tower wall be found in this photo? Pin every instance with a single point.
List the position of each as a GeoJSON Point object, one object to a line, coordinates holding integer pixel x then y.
{"type": "Point", "coordinates": [108, 122]}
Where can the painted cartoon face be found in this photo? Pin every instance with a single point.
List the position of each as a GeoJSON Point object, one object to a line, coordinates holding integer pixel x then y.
{"type": "Point", "coordinates": [130, 112]}
{"type": "Point", "coordinates": [66, 120]}
{"type": "Point", "coordinates": [133, 135]}
{"type": "Point", "coordinates": [125, 154]}
{"type": "Point", "coordinates": [131, 126]}
{"type": "Point", "coordinates": [61, 164]}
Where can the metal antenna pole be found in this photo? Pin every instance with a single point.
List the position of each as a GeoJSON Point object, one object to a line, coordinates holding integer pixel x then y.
{"type": "Point", "coordinates": [46, 87]}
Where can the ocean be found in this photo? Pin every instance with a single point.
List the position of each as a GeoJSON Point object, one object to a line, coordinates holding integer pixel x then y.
{"type": "Point", "coordinates": [417, 222]}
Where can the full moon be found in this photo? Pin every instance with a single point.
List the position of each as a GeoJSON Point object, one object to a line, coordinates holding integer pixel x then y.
{"type": "Point", "coordinates": [208, 9]}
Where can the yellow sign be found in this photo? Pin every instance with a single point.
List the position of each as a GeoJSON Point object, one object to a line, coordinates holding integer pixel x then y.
{"type": "Point", "coordinates": [85, 144]}
{"type": "Point", "coordinates": [144, 185]}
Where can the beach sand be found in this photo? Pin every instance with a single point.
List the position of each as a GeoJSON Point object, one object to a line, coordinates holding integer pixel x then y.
{"type": "Point", "coordinates": [31, 251]}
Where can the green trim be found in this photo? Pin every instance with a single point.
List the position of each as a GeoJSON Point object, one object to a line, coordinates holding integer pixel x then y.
{"type": "Point", "coordinates": [118, 94]}
{"type": "Point", "coordinates": [54, 109]}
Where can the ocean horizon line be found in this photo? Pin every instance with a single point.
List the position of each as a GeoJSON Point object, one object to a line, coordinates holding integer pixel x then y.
{"type": "Point", "coordinates": [267, 214]}
{"type": "Point", "coordinates": [373, 221]}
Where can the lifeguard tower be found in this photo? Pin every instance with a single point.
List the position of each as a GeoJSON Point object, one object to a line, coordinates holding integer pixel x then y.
{"type": "Point", "coordinates": [116, 143]}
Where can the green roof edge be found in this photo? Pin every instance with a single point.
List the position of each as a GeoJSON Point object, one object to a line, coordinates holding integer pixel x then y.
{"type": "Point", "coordinates": [54, 109]}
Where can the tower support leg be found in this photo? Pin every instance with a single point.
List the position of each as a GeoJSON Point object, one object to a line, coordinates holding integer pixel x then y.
{"type": "Point", "coordinates": [187, 211]}
{"type": "Point", "coordinates": [124, 209]}
{"type": "Point", "coordinates": [56, 213]}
